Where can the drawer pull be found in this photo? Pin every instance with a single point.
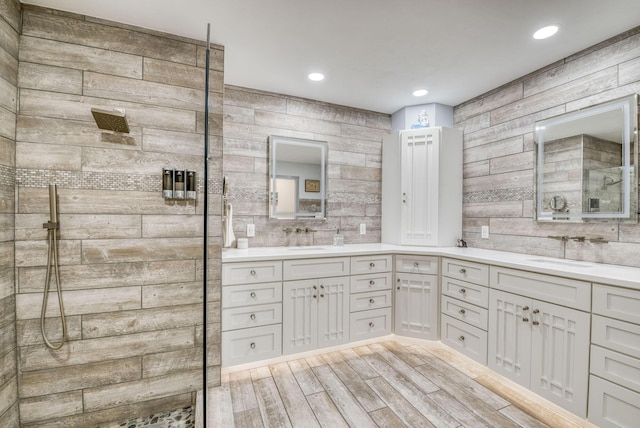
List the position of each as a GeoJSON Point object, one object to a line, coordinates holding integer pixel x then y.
{"type": "Point", "coordinates": [536, 311]}
{"type": "Point", "coordinates": [416, 264]}
{"type": "Point", "coordinates": [461, 338]}
{"type": "Point", "coordinates": [253, 345]}
{"type": "Point", "coordinates": [372, 264]}
{"type": "Point", "coordinates": [525, 308]}
{"type": "Point", "coordinates": [463, 271]}
{"type": "Point", "coordinates": [370, 324]}
{"type": "Point", "coordinates": [372, 301]}
{"type": "Point", "coordinates": [462, 291]}
{"type": "Point", "coordinates": [253, 272]}
{"type": "Point", "coordinates": [525, 319]}
{"type": "Point", "coordinates": [253, 294]}
{"type": "Point", "coordinates": [372, 282]}
{"type": "Point", "coordinates": [535, 323]}
{"type": "Point", "coordinates": [462, 311]}
{"type": "Point", "coordinates": [253, 316]}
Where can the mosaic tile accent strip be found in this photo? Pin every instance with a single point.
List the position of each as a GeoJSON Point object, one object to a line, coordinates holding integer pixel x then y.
{"type": "Point", "coordinates": [357, 198]}
{"type": "Point", "coordinates": [181, 418]}
{"type": "Point", "coordinates": [7, 176]}
{"type": "Point", "coordinates": [517, 194]}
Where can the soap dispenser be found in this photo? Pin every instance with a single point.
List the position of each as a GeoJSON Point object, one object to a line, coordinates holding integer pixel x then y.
{"type": "Point", "coordinates": [338, 240]}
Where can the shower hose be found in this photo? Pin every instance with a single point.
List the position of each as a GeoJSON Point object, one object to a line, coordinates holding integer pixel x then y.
{"type": "Point", "coordinates": [52, 261]}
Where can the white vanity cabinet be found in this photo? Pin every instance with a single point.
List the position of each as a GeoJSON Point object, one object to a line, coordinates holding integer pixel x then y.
{"type": "Point", "coordinates": [422, 187]}
{"type": "Point", "coordinates": [315, 303]}
{"type": "Point", "coordinates": [541, 345]}
{"type": "Point", "coordinates": [614, 385]}
{"type": "Point", "coordinates": [371, 298]}
{"type": "Point", "coordinates": [251, 311]}
{"type": "Point", "coordinates": [416, 296]}
{"type": "Point", "coordinates": [464, 307]}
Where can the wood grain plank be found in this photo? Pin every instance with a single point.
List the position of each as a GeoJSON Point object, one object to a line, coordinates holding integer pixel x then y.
{"type": "Point", "coordinates": [387, 418]}
{"type": "Point", "coordinates": [521, 418]}
{"type": "Point", "coordinates": [326, 411]}
{"type": "Point", "coordinates": [307, 380]}
{"type": "Point", "coordinates": [400, 405]}
{"type": "Point", "coordinates": [270, 404]}
{"type": "Point", "coordinates": [293, 397]}
{"type": "Point", "coordinates": [367, 398]}
{"type": "Point", "coordinates": [220, 408]}
{"type": "Point", "coordinates": [457, 410]}
{"type": "Point", "coordinates": [248, 419]}
{"type": "Point", "coordinates": [242, 392]}
{"type": "Point", "coordinates": [364, 370]}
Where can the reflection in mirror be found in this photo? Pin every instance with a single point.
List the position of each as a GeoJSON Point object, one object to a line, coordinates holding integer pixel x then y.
{"type": "Point", "coordinates": [297, 178]}
{"type": "Point", "coordinates": [587, 163]}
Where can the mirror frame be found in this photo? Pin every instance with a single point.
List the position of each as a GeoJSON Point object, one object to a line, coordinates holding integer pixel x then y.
{"type": "Point", "coordinates": [274, 142]}
{"type": "Point", "coordinates": [629, 106]}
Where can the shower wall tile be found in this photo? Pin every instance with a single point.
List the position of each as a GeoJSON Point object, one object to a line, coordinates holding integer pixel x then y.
{"type": "Point", "coordinates": [131, 261]}
{"type": "Point", "coordinates": [8, 367]}
{"type": "Point", "coordinates": [499, 154]}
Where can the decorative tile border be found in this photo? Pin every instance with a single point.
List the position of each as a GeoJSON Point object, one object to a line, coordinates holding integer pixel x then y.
{"type": "Point", "coordinates": [7, 176]}
{"type": "Point", "coordinates": [181, 418]}
{"type": "Point", "coordinates": [517, 194]}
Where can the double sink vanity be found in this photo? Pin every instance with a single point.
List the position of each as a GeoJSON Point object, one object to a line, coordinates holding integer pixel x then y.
{"type": "Point", "coordinates": [568, 331]}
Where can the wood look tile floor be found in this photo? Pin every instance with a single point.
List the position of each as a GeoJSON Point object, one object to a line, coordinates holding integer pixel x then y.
{"type": "Point", "coordinates": [385, 384]}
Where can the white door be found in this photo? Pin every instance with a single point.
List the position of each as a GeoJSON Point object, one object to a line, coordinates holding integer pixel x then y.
{"type": "Point", "coordinates": [560, 359]}
{"type": "Point", "coordinates": [286, 189]}
{"type": "Point", "coordinates": [509, 347]}
{"type": "Point", "coordinates": [419, 186]}
{"type": "Point", "coordinates": [416, 306]}
{"type": "Point", "coordinates": [333, 311]}
{"type": "Point", "coordinates": [299, 316]}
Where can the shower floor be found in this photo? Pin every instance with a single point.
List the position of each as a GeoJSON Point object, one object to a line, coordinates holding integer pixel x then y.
{"type": "Point", "coordinates": [386, 384]}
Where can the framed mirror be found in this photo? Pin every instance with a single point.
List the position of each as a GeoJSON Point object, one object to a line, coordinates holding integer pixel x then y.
{"type": "Point", "coordinates": [587, 164]}
{"type": "Point", "coordinates": [297, 178]}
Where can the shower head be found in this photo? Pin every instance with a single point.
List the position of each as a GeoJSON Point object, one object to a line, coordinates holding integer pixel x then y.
{"type": "Point", "coordinates": [111, 120]}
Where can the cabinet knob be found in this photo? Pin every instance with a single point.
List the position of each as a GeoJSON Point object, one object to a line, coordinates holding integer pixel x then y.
{"type": "Point", "coordinates": [372, 264]}
{"type": "Point", "coordinates": [370, 324]}
{"type": "Point", "coordinates": [536, 311]}
{"type": "Point", "coordinates": [398, 279]}
{"type": "Point", "coordinates": [462, 291]}
{"type": "Point", "coordinates": [461, 338]}
{"type": "Point", "coordinates": [462, 311]}
{"type": "Point", "coordinates": [525, 308]}
{"type": "Point", "coordinates": [253, 316]}
{"type": "Point", "coordinates": [315, 297]}
{"type": "Point", "coordinates": [253, 294]}
{"type": "Point", "coordinates": [525, 319]}
{"type": "Point", "coordinates": [398, 287]}
{"type": "Point", "coordinates": [322, 295]}
{"type": "Point", "coordinates": [535, 323]}
{"type": "Point", "coordinates": [253, 345]}
{"type": "Point", "coordinates": [322, 286]}
{"type": "Point", "coordinates": [372, 282]}
{"type": "Point", "coordinates": [315, 287]}
{"type": "Point", "coordinates": [416, 264]}
{"type": "Point", "coordinates": [372, 301]}
{"type": "Point", "coordinates": [463, 271]}
{"type": "Point", "coordinates": [253, 272]}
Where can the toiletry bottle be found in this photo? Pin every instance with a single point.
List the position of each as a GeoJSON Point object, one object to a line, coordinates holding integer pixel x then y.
{"type": "Point", "coordinates": [338, 240]}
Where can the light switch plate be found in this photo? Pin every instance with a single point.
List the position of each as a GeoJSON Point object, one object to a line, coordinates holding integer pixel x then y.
{"type": "Point", "coordinates": [251, 230]}
{"type": "Point", "coordinates": [485, 232]}
{"type": "Point", "coordinates": [363, 228]}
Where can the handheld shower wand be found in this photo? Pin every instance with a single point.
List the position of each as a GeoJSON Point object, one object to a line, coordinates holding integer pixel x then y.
{"type": "Point", "coordinates": [52, 227]}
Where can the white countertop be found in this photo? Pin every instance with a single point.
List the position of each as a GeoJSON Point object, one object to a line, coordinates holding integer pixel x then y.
{"type": "Point", "coordinates": [623, 276]}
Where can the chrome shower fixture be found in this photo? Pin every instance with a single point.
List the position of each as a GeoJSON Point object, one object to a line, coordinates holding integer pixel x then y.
{"type": "Point", "coordinates": [111, 120]}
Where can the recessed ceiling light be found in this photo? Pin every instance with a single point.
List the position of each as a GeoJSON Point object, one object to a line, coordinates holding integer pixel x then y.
{"type": "Point", "coordinates": [545, 32]}
{"type": "Point", "coordinates": [420, 93]}
{"type": "Point", "coordinates": [316, 77]}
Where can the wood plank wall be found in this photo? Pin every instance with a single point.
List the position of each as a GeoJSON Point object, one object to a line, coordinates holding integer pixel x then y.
{"type": "Point", "coordinates": [130, 262]}
{"type": "Point", "coordinates": [499, 170]}
{"type": "Point", "coordinates": [354, 165]}
{"type": "Point", "coordinates": [9, 41]}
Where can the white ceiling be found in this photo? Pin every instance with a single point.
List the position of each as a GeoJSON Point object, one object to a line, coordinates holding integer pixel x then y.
{"type": "Point", "coordinates": [376, 52]}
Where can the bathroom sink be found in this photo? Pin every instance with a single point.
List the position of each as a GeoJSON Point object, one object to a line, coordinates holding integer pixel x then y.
{"type": "Point", "coordinates": [305, 248]}
{"type": "Point", "coordinates": [560, 263]}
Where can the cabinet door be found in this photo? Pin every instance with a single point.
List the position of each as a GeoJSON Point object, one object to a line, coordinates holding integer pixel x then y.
{"type": "Point", "coordinates": [299, 315]}
{"type": "Point", "coordinates": [333, 311]}
{"type": "Point", "coordinates": [509, 336]}
{"type": "Point", "coordinates": [560, 355]}
{"type": "Point", "coordinates": [419, 187]}
{"type": "Point", "coordinates": [416, 306]}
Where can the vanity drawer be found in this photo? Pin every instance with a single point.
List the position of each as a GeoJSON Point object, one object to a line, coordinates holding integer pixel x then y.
{"type": "Point", "coordinates": [363, 283]}
{"type": "Point", "coordinates": [615, 302]}
{"type": "Point", "coordinates": [561, 291]}
{"type": "Point", "coordinates": [467, 271]}
{"type": "Point", "coordinates": [616, 367]}
{"type": "Point", "coordinates": [371, 264]}
{"type": "Point", "coordinates": [474, 315]}
{"type": "Point", "coordinates": [251, 294]}
{"type": "Point", "coordinates": [371, 300]}
{"type": "Point", "coordinates": [251, 344]}
{"type": "Point", "coordinates": [251, 316]}
{"type": "Point", "coordinates": [417, 264]}
{"type": "Point", "coordinates": [464, 338]}
{"type": "Point", "coordinates": [367, 324]}
{"type": "Point", "coordinates": [316, 268]}
{"type": "Point", "coordinates": [251, 272]}
{"type": "Point", "coordinates": [612, 406]}
{"type": "Point", "coordinates": [617, 335]}
{"type": "Point", "coordinates": [466, 291]}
